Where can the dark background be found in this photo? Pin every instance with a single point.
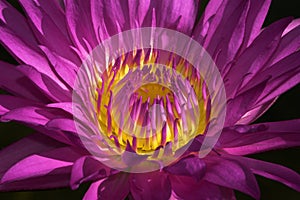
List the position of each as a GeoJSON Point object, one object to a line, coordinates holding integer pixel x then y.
{"type": "Point", "coordinates": [286, 107]}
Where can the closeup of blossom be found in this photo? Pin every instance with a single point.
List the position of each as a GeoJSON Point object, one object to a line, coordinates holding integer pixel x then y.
{"type": "Point", "coordinates": [145, 99]}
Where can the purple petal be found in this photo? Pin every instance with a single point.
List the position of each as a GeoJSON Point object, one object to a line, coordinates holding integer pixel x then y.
{"type": "Point", "coordinates": [65, 106]}
{"type": "Point", "coordinates": [145, 186]}
{"type": "Point", "coordinates": [64, 68]}
{"type": "Point", "coordinates": [175, 14]}
{"type": "Point", "coordinates": [51, 88]}
{"type": "Point", "coordinates": [63, 124]}
{"type": "Point", "coordinates": [17, 23]}
{"type": "Point", "coordinates": [189, 189]}
{"type": "Point", "coordinates": [79, 22]}
{"type": "Point", "coordinates": [254, 57]}
{"type": "Point", "coordinates": [8, 103]}
{"type": "Point", "coordinates": [283, 76]}
{"type": "Point", "coordinates": [114, 187]}
{"type": "Point", "coordinates": [190, 166]}
{"type": "Point", "coordinates": [274, 172]}
{"type": "Point", "coordinates": [27, 54]}
{"type": "Point", "coordinates": [27, 146]}
{"type": "Point", "coordinates": [92, 192]}
{"type": "Point", "coordinates": [289, 44]}
{"type": "Point", "coordinates": [256, 17]}
{"type": "Point", "coordinates": [35, 165]}
{"type": "Point", "coordinates": [87, 169]}
{"type": "Point", "coordinates": [18, 84]}
{"type": "Point", "coordinates": [55, 179]}
{"type": "Point", "coordinates": [255, 113]}
{"type": "Point", "coordinates": [50, 28]}
{"type": "Point", "coordinates": [232, 174]}
{"type": "Point", "coordinates": [243, 139]}
{"type": "Point", "coordinates": [224, 45]}
{"type": "Point", "coordinates": [33, 115]}
{"type": "Point", "coordinates": [244, 102]}
{"type": "Point", "coordinates": [47, 165]}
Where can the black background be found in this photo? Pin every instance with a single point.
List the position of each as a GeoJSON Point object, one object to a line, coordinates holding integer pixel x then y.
{"type": "Point", "coordinates": [286, 107]}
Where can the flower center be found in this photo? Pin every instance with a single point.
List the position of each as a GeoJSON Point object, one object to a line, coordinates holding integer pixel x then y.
{"type": "Point", "coordinates": [143, 106]}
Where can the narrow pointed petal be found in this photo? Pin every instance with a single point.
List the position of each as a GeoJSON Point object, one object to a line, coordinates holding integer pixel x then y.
{"type": "Point", "coordinates": [49, 24]}
{"type": "Point", "coordinates": [92, 192]}
{"type": "Point", "coordinates": [80, 25]}
{"type": "Point", "coordinates": [40, 164]}
{"type": "Point", "coordinates": [273, 171]}
{"type": "Point", "coordinates": [33, 144]}
{"type": "Point", "coordinates": [18, 84]}
{"type": "Point", "coordinates": [87, 169]}
{"type": "Point", "coordinates": [249, 139]}
{"type": "Point", "coordinates": [8, 103]}
{"type": "Point", "coordinates": [253, 59]}
{"type": "Point", "coordinates": [232, 174]}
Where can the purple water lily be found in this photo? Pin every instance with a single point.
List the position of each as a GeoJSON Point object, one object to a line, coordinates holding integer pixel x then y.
{"type": "Point", "coordinates": [52, 41]}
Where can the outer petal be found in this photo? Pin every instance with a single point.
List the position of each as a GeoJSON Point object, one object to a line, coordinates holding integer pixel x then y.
{"type": "Point", "coordinates": [282, 76]}
{"type": "Point", "coordinates": [189, 189]}
{"type": "Point", "coordinates": [254, 57]}
{"type": "Point", "coordinates": [40, 164]}
{"type": "Point", "coordinates": [79, 21]}
{"type": "Point", "coordinates": [18, 84]}
{"type": "Point", "coordinates": [241, 20]}
{"type": "Point", "coordinates": [146, 186]}
{"type": "Point", "coordinates": [27, 54]}
{"type": "Point", "coordinates": [273, 171]}
{"type": "Point", "coordinates": [8, 103]}
{"type": "Point", "coordinates": [114, 187]}
{"type": "Point", "coordinates": [14, 21]}
{"type": "Point", "coordinates": [191, 166]}
{"type": "Point", "coordinates": [243, 139]}
{"type": "Point", "coordinates": [27, 146]}
{"type": "Point", "coordinates": [92, 192]}
{"type": "Point", "coordinates": [87, 169]}
{"type": "Point", "coordinates": [56, 178]}
{"type": "Point", "coordinates": [50, 28]}
{"type": "Point", "coordinates": [232, 174]}
{"type": "Point", "coordinates": [51, 88]}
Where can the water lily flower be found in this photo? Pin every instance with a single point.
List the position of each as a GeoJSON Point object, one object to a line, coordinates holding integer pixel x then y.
{"type": "Point", "coordinates": [51, 42]}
